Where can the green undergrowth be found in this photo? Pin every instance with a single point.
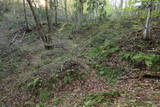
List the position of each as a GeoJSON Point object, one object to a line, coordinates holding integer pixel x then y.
{"type": "Point", "coordinates": [97, 55]}
{"type": "Point", "coordinates": [100, 99]}
{"type": "Point", "coordinates": [111, 44]}
{"type": "Point", "coordinates": [30, 37]}
{"type": "Point", "coordinates": [53, 81]}
{"type": "Point", "coordinates": [41, 87]}
{"type": "Point", "coordinates": [101, 51]}
{"type": "Point", "coordinates": [68, 29]}
{"type": "Point", "coordinates": [152, 61]}
{"type": "Point", "coordinates": [71, 74]}
{"type": "Point", "coordinates": [11, 63]}
{"type": "Point", "coordinates": [43, 96]}
{"type": "Point", "coordinates": [102, 46]}
{"type": "Point", "coordinates": [111, 73]}
{"type": "Point", "coordinates": [58, 100]}
{"type": "Point", "coordinates": [140, 60]}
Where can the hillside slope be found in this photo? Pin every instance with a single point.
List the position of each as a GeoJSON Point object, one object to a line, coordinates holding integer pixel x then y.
{"type": "Point", "coordinates": [96, 66]}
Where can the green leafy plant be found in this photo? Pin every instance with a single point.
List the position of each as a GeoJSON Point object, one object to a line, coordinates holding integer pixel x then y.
{"type": "Point", "coordinates": [30, 36]}
{"type": "Point", "coordinates": [149, 60]}
{"type": "Point", "coordinates": [43, 95]}
{"type": "Point", "coordinates": [100, 98]}
{"type": "Point", "coordinates": [101, 51]}
{"type": "Point", "coordinates": [71, 74]}
{"type": "Point", "coordinates": [34, 84]}
{"type": "Point", "coordinates": [10, 63]}
{"type": "Point", "coordinates": [67, 79]}
{"type": "Point", "coordinates": [110, 73]}
{"type": "Point", "coordinates": [57, 101]}
{"type": "Point", "coordinates": [29, 103]}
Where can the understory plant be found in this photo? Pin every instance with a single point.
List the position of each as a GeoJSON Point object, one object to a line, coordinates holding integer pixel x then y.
{"type": "Point", "coordinates": [152, 61]}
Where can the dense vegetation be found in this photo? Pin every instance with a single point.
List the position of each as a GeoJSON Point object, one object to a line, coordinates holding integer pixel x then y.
{"type": "Point", "coordinates": [79, 53]}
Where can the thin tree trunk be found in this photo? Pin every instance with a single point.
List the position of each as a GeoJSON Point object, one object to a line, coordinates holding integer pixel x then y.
{"type": "Point", "coordinates": [66, 14]}
{"type": "Point", "coordinates": [95, 14]}
{"type": "Point", "coordinates": [121, 4]}
{"type": "Point", "coordinates": [47, 15]}
{"type": "Point", "coordinates": [121, 7]}
{"type": "Point", "coordinates": [51, 10]}
{"type": "Point", "coordinates": [25, 15]}
{"type": "Point", "coordinates": [55, 10]}
{"type": "Point", "coordinates": [146, 33]}
{"type": "Point", "coordinates": [45, 39]}
{"type": "Point", "coordinates": [80, 13]}
{"type": "Point", "coordinates": [50, 4]}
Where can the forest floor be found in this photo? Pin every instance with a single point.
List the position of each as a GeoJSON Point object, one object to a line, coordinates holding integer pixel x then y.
{"type": "Point", "coordinates": [83, 70]}
{"type": "Point", "coordinates": [3, 38]}
{"type": "Point", "coordinates": [4, 42]}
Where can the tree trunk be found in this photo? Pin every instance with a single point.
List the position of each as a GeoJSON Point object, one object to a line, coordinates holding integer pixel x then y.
{"type": "Point", "coordinates": [121, 4]}
{"type": "Point", "coordinates": [47, 15]}
{"type": "Point", "coordinates": [146, 33]}
{"type": "Point", "coordinates": [95, 14]}
{"type": "Point", "coordinates": [51, 11]}
{"type": "Point", "coordinates": [46, 40]}
{"type": "Point", "coordinates": [80, 13]}
{"type": "Point", "coordinates": [66, 14]}
{"type": "Point", "coordinates": [51, 3]}
{"type": "Point", "coordinates": [56, 11]}
{"type": "Point", "coordinates": [121, 7]}
{"type": "Point", "coordinates": [25, 15]}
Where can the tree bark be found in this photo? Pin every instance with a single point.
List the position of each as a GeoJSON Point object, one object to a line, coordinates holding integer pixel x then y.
{"type": "Point", "coordinates": [147, 30]}
{"type": "Point", "coordinates": [47, 15]}
{"type": "Point", "coordinates": [121, 4]}
{"type": "Point", "coordinates": [51, 3]}
{"type": "Point", "coordinates": [51, 11]}
{"type": "Point", "coordinates": [46, 40]}
{"type": "Point", "coordinates": [121, 7]}
{"type": "Point", "coordinates": [80, 13]}
{"type": "Point", "coordinates": [56, 11]}
{"type": "Point", "coordinates": [66, 14]}
{"type": "Point", "coordinates": [25, 15]}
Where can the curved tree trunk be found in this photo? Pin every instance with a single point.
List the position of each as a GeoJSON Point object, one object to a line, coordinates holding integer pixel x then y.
{"type": "Point", "coordinates": [46, 40]}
